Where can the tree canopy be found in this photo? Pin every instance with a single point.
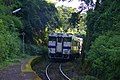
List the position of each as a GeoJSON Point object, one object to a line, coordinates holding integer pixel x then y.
{"type": "Point", "coordinates": [102, 40]}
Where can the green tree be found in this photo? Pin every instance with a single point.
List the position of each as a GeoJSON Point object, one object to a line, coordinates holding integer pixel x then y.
{"type": "Point", "coordinates": [64, 14]}
{"type": "Point", "coordinates": [10, 43]}
{"type": "Point", "coordinates": [104, 18]}
{"type": "Point", "coordinates": [36, 16]}
{"type": "Point", "coordinates": [104, 54]}
{"type": "Point", "coordinates": [102, 44]}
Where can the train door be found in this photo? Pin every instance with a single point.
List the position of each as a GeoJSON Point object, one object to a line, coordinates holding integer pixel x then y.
{"type": "Point", "coordinates": [59, 46]}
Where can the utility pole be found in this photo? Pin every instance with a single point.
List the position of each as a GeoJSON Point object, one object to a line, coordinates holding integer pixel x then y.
{"type": "Point", "coordinates": [23, 34]}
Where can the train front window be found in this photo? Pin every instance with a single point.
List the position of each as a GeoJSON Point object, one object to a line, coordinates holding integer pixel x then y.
{"type": "Point", "coordinates": [59, 39]}
{"type": "Point", "coordinates": [67, 39]}
{"type": "Point", "coordinates": [52, 38]}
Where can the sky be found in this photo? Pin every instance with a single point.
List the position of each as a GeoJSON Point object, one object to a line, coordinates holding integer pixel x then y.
{"type": "Point", "coordinates": [74, 4]}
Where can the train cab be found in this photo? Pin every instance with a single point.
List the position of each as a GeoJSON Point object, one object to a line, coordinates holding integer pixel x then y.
{"type": "Point", "coordinates": [63, 46]}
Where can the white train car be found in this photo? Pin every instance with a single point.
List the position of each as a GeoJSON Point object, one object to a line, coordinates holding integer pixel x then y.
{"type": "Point", "coordinates": [64, 46]}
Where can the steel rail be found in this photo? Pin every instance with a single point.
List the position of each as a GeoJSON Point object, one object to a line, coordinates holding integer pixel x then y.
{"type": "Point", "coordinates": [60, 68]}
{"type": "Point", "coordinates": [47, 71]}
{"type": "Point", "coordinates": [63, 73]}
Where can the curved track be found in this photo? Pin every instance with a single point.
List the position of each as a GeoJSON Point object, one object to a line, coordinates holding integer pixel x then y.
{"type": "Point", "coordinates": [54, 72]}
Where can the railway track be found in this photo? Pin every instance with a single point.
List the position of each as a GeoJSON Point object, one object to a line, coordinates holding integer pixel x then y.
{"type": "Point", "coordinates": [54, 72]}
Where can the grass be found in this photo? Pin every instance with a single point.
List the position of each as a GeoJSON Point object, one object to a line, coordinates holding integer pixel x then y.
{"type": "Point", "coordinates": [26, 67]}
{"type": "Point", "coordinates": [13, 61]}
{"type": "Point", "coordinates": [7, 63]}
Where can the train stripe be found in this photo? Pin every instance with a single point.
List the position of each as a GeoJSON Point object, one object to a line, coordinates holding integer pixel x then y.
{"type": "Point", "coordinates": [66, 47]}
{"type": "Point", "coordinates": [51, 46]}
{"type": "Point", "coordinates": [62, 47]}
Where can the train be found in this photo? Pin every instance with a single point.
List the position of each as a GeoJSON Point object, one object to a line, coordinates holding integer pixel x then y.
{"type": "Point", "coordinates": [64, 46]}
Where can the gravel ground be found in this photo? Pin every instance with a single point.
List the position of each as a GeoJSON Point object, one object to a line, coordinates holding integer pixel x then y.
{"type": "Point", "coordinates": [14, 73]}
{"type": "Point", "coordinates": [69, 69]}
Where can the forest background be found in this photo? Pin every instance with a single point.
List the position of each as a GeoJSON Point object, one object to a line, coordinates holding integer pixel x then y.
{"type": "Point", "coordinates": [25, 33]}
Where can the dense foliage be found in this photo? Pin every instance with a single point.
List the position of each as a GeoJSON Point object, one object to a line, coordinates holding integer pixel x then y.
{"type": "Point", "coordinates": [105, 54]}
{"type": "Point", "coordinates": [36, 16]}
{"type": "Point", "coordinates": [104, 18]}
{"type": "Point", "coordinates": [10, 43]}
{"type": "Point", "coordinates": [103, 38]}
{"type": "Point", "coordinates": [36, 19]}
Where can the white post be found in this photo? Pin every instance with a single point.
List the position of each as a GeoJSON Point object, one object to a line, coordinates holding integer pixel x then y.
{"type": "Point", "coordinates": [23, 34]}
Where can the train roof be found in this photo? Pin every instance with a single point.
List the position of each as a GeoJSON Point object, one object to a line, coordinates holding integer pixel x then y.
{"type": "Point", "coordinates": [74, 37]}
{"type": "Point", "coordinates": [60, 35]}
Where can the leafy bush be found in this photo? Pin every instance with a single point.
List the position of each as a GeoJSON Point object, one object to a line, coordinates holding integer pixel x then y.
{"type": "Point", "coordinates": [105, 54]}
{"type": "Point", "coordinates": [105, 17]}
{"type": "Point", "coordinates": [36, 50]}
{"type": "Point", "coordinates": [13, 23]}
{"type": "Point", "coordinates": [9, 43]}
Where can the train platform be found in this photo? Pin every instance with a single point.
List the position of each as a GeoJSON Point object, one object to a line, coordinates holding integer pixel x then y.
{"type": "Point", "coordinates": [18, 72]}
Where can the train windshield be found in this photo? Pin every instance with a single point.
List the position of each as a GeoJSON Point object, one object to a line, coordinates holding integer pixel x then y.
{"type": "Point", "coordinates": [51, 38]}
{"type": "Point", "coordinates": [67, 39]}
{"type": "Point", "coordinates": [59, 39]}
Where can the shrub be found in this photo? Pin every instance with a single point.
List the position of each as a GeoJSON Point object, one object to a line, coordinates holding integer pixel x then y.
{"type": "Point", "coordinates": [9, 43]}
{"type": "Point", "coordinates": [105, 54]}
{"type": "Point", "coordinates": [36, 50]}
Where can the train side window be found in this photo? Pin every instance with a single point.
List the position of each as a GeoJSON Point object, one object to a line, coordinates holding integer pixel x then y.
{"type": "Point", "coordinates": [59, 39]}
{"type": "Point", "coordinates": [52, 38]}
{"type": "Point", "coordinates": [67, 39]}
